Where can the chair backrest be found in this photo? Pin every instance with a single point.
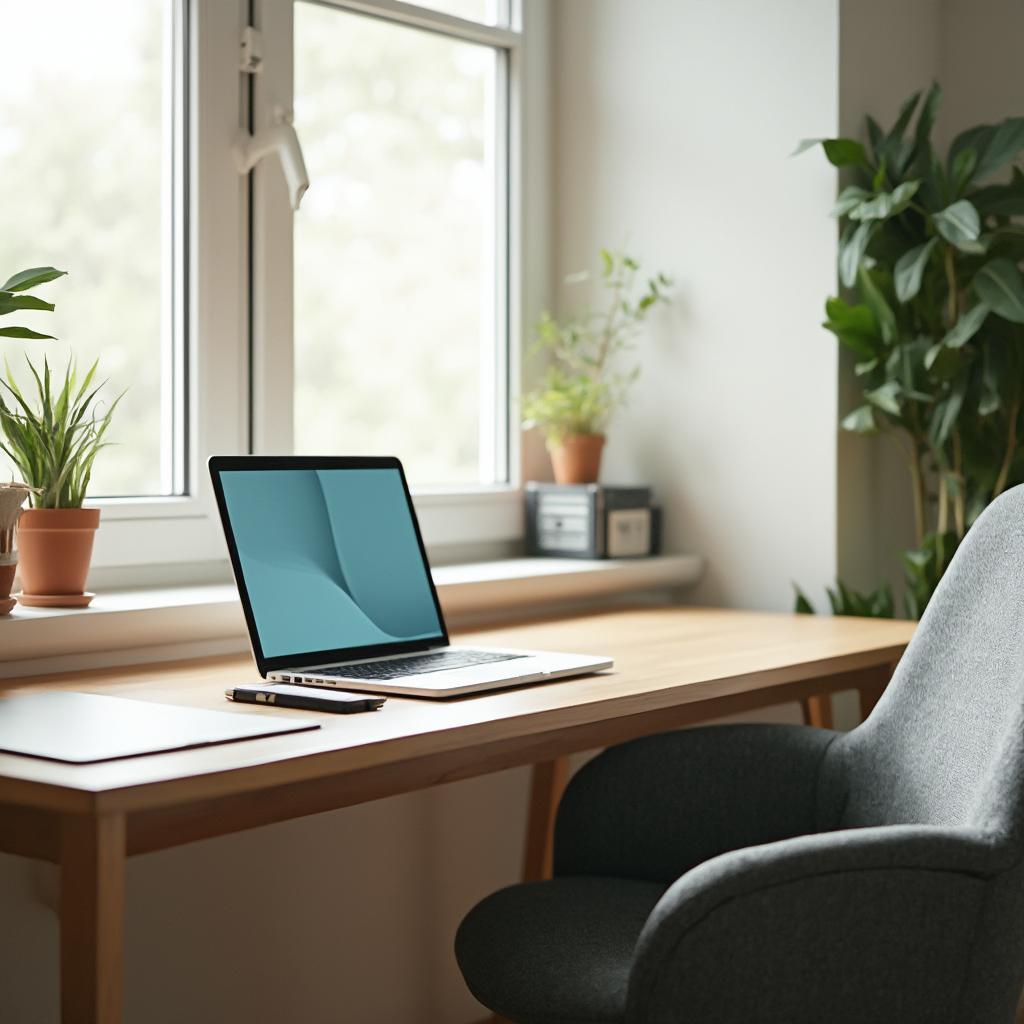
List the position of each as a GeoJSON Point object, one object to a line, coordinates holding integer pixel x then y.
{"type": "Point", "coordinates": [945, 745]}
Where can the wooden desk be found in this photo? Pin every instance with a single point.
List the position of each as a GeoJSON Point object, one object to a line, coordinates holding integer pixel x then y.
{"type": "Point", "coordinates": [674, 666]}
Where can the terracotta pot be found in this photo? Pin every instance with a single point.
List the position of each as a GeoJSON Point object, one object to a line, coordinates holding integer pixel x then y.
{"type": "Point", "coordinates": [54, 550]}
{"type": "Point", "coordinates": [576, 459]}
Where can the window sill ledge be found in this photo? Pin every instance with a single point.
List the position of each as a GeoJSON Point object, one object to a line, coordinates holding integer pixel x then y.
{"type": "Point", "coordinates": [133, 626]}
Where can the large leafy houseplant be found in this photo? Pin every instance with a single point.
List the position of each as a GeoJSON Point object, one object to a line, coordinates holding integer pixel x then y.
{"type": "Point", "coordinates": [932, 306]}
{"type": "Point", "coordinates": [583, 384]}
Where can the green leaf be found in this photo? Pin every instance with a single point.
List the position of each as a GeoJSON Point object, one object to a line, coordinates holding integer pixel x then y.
{"type": "Point", "coordinates": [854, 326]}
{"type": "Point", "coordinates": [860, 421]}
{"type": "Point", "coordinates": [1000, 286]}
{"type": "Point", "coordinates": [30, 278]}
{"type": "Point", "coordinates": [991, 399]}
{"type": "Point", "coordinates": [967, 326]}
{"type": "Point", "coordinates": [959, 224]}
{"type": "Point", "coordinates": [805, 144]}
{"type": "Point", "coordinates": [24, 332]}
{"type": "Point", "coordinates": [929, 112]}
{"type": "Point", "coordinates": [886, 398]}
{"type": "Point", "coordinates": [877, 303]}
{"type": "Point", "coordinates": [848, 199]}
{"type": "Point", "coordinates": [905, 114]}
{"type": "Point", "coordinates": [10, 301]}
{"type": "Point", "coordinates": [1004, 142]}
{"type": "Point", "coordinates": [910, 269]}
{"type": "Point", "coordinates": [1002, 200]}
{"type": "Point", "coordinates": [844, 152]}
{"type": "Point", "coordinates": [886, 204]}
{"type": "Point", "coordinates": [975, 138]}
{"type": "Point", "coordinates": [607, 262]}
{"type": "Point", "coordinates": [851, 252]}
{"type": "Point", "coordinates": [878, 181]}
{"type": "Point", "coordinates": [860, 369]}
{"type": "Point", "coordinates": [802, 605]}
{"type": "Point", "coordinates": [840, 152]}
{"type": "Point", "coordinates": [946, 413]}
{"type": "Point", "coordinates": [963, 168]}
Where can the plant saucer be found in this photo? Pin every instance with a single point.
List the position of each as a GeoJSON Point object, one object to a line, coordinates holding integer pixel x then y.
{"type": "Point", "coordinates": [55, 600]}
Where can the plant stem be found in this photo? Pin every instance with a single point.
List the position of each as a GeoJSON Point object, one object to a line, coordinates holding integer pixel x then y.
{"type": "Point", "coordinates": [959, 504]}
{"type": "Point", "coordinates": [917, 485]}
{"type": "Point", "coordinates": [942, 522]}
{"type": "Point", "coordinates": [1011, 450]}
{"type": "Point", "coordinates": [951, 300]}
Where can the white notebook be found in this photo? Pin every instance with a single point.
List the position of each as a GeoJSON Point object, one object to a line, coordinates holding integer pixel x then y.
{"type": "Point", "coordinates": [80, 728]}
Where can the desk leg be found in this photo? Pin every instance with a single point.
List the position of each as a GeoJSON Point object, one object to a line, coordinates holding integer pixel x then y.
{"type": "Point", "coordinates": [818, 711]}
{"type": "Point", "coordinates": [549, 779]}
{"type": "Point", "coordinates": [869, 692]}
{"type": "Point", "coordinates": [92, 860]}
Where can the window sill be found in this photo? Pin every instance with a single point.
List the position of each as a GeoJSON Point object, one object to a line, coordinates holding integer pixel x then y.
{"type": "Point", "coordinates": [133, 626]}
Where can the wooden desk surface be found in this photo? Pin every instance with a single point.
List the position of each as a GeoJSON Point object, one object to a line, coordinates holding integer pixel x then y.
{"type": "Point", "coordinates": [674, 665]}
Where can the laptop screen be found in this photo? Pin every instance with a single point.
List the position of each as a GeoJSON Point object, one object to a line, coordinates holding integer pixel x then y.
{"type": "Point", "coordinates": [330, 558]}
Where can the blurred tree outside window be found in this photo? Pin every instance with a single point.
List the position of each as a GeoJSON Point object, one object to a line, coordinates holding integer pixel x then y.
{"type": "Point", "coordinates": [398, 328]}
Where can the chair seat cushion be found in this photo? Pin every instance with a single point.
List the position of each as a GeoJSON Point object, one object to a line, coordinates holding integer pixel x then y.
{"type": "Point", "coordinates": [556, 952]}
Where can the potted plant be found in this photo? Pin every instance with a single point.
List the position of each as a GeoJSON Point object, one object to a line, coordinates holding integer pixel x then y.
{"type": "Point", "coordinates": [12, 497]}
{"type": "Point", "coordinates": [15, 297]}
{"type": "Point", "coordinates": [932, 308]}
{"type": "Point", "coordinates": [53, 438]}
{"type": "Point", "coordinates": [582, 385]}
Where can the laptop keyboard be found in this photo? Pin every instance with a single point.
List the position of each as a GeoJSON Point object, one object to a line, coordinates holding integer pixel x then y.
{"type": "Point", "coordinates": [417, 664]}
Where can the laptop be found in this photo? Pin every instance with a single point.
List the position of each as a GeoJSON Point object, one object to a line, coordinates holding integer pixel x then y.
{"type": "Point", "coordinates": [336, 587]}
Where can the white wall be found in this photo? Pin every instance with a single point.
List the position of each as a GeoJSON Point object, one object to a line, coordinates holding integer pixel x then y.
{"type": "Point", "coordinates": [674, 120]}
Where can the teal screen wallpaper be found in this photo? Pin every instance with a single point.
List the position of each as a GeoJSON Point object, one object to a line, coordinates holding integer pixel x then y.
{"type": "Point", "coordinates": [329, 558]}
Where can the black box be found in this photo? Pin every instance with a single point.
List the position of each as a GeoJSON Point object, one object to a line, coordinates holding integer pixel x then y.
{"type": "Point", "coordinates": [590, 521]}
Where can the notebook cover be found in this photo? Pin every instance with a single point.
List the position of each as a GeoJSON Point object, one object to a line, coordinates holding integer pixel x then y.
{"type": "Point", "coordinates": [82, 728]}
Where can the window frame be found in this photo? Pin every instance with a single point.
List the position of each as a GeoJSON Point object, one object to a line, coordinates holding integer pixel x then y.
{"type": "Point", "coordinates": [238, 238]}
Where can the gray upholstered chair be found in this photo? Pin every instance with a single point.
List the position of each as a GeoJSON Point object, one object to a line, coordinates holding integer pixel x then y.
{"type": "Point", "coordinates": [748, 874]}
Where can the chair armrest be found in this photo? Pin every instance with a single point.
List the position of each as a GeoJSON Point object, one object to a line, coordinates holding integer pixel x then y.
{"type": "Point", "coordinates": [654, 808]}
{"type": "Point", "coordinates": [870, 924]}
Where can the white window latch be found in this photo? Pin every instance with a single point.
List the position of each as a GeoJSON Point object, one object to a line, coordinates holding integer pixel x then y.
{"type": "Point", "coordinates": [278, 137]}
{"type": "Point", "coordinates": [251, 56]}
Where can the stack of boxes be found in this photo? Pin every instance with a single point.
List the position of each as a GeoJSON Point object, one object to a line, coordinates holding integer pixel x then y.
{"type": "Point", "coordinates": [591, 521]}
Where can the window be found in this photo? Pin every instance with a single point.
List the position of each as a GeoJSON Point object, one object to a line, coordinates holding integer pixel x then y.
{"type": "Point", "coordinates": [375, 319]}
{"type": "Point", "coordinates": [90, 171]}
{"type": "Point", "coordinates": [399, 325]}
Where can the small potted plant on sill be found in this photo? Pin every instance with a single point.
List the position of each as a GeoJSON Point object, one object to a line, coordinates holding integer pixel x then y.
{"type": "Point", "coordinates": [582, 387]}
{"type": "Point", "coordinates": [53, 439]}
